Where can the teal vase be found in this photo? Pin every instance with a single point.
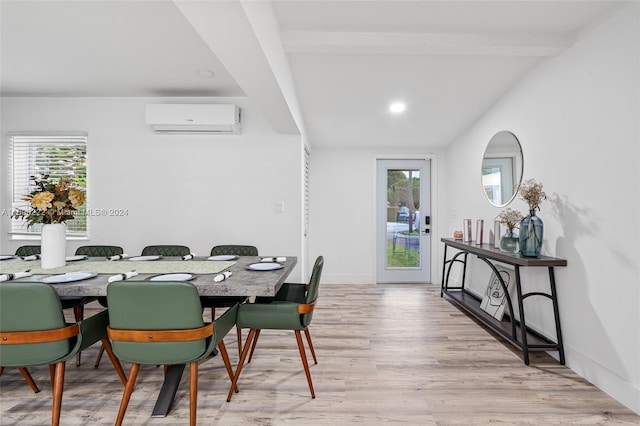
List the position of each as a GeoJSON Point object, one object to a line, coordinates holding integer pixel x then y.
{"type": "Point", "coordinates": [531, 231]}
{"type": "Point", "coordinates": [509, 242]}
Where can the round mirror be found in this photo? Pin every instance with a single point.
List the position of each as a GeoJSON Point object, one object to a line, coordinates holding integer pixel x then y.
{"type": "Point", "coordinates": [502, 168]}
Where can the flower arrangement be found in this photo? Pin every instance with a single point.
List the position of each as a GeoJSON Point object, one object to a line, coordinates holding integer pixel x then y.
{"type": "Point", "coordinates": [51, 201]}
{"type": "Point", "coordinates": [531, 192]}
{"type": "Point", "coordinates": [510, 218]}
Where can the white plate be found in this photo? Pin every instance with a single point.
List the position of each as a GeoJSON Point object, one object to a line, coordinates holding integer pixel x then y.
{"type": "Point", "coordinates": [7, 257]}
{"type": "Point", "coordinates": [74, 258]}
{"type": "Point", "coordinates": [143, 258]}
{"type": "Point", "coordinates": [264, 266]}
{"type": "Point", "coordinates": [173, 277]}
{"type": "Point", "coordinates": [223, 257]}
{"type": "Point", "coordinates": [69, 277]}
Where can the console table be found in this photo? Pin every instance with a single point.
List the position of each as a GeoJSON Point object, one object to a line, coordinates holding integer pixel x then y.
{"type": "Point", "coordinates": [514, 329]}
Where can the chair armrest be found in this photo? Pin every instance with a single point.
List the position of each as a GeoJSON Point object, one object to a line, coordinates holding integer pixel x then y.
{"type": "Point", "coordinates": [225, 323]}
{"type": "Point", "coordinates": [289, 292]}
{"type": "Point", "coordinates": [93, 329]}
{"type": "Point", "coordinates": [276, 316]}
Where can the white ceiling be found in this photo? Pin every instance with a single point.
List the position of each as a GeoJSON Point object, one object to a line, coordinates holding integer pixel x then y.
{"type": "Point", "coordinates": [448, 60]}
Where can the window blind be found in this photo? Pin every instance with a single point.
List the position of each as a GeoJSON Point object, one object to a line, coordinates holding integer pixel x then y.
{"type": "Point", "coordinates": [56, 155]}
{"type": "Point", "coordinates": [307, 185]}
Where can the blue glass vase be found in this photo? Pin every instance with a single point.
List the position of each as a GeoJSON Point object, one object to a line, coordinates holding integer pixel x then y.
{"type": "Point", "coordinates": [509, 242]}
{"type": "Point", "coordinates": [531, 231]}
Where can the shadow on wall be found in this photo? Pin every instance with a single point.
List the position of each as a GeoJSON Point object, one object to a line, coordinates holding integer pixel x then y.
{"type": "Point", "coordinates": [573, 291]}
{"type": "Point", "coordinates": [580, 222]}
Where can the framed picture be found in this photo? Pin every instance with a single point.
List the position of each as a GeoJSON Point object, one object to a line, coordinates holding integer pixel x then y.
{"type": "Point", "coordinates": [494, 300]}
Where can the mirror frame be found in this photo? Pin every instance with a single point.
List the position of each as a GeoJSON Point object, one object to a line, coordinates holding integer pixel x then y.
{"type": "Point", "coordinates": [503, 152]}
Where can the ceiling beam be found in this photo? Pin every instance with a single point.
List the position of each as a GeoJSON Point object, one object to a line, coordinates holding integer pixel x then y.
{"type": "Point", "coordinates": [424, 44]}
{"type": "Point", "coordinates": [228, 31]}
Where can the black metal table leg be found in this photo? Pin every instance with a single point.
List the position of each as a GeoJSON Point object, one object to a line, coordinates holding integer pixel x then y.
{"type": "Point", "coordinates": [168, 390]}
{"type": "Point", "coordinates": [444, 265]}
{"type": "Point", "coordinates": [523, 324]}
{"type": "Point", "coordinates": [556, 314]}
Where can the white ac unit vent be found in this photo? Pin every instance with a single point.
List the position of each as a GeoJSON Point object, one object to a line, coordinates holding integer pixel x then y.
{"type": "Point", "coordinates": [194, 118]}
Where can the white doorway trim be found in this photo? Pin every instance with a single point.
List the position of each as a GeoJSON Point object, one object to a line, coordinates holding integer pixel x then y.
{"type": "Point", "coordinates": [435, 218]}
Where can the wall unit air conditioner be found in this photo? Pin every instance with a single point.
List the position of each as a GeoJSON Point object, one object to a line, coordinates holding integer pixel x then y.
{"type": "Point", "coordinates": [194, 118]}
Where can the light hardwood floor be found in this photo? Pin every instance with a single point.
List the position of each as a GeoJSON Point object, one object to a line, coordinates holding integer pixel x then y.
{"type": "Point", "coordinates": [387, 354]}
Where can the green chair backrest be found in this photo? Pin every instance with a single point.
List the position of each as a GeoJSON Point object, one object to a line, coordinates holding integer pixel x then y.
{"type": "Point", "coordinates": [99, 251]}
{"type": "Point", "coordinates": [27, 250]}
{"type": "Point", "coordinates": [312, 291]}
{"type": "Point", "coordinates": [234, 249]}
{"type": "Point", "coordinates": [166, 250]}
{"type": "Point", "coordinates": [31, 306]}
{"type": "Point", "coordinates": [148, 305]}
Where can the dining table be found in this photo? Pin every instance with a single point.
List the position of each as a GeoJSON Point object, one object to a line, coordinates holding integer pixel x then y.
{"type": "Point", "coordinates": [89, 276]}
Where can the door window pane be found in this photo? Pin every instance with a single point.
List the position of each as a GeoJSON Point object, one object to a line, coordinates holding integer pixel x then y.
{"type": "Point", "coordinates": [403, 218]}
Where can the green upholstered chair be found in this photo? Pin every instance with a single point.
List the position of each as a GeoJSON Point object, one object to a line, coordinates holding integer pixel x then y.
{"type": "Point", "coordinates": [99, 251]}
{"type": "Point", "coordinates": [214, 302]}
{"type": "Point", "coordinates": [33, 332]}
{"type": "Point", "coordinates": [166, 250]}
{"type": "Point", "coordinates": [234, 249]}
{"type": "Point", "coordinates": [293, 293]}
{"type": "Point", "coordinates": [68, 302]}
{"type": "Point", "coordinates": [281, 315]}
{"type": "Point", "coordinates": [23, 251]}
{"type": "Point", "coordinates": [161, 323]}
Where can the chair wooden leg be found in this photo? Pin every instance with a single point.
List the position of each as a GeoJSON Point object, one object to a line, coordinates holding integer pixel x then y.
{"type": "Point", "coordinates": [313, 353]}
{"type": "Point", "coordinates": [253, 346]}
{"type": "Point", "coordinates": [58, 385]}
{"type": "Point", "coordinates": [52, 374]}
{"type": "Point", "coordinates": [128, 390]}
{"type": "Point", "coordinates": [99, 357]}
{"type": "Point", "coordinates": [243, 356]}
{"type": "Point", "coordinates": [29, 379]}
{"type": "Point", "coordinates": [193, 393]}
{"type": "Point", "coordinates": [305, 364]}
{"type": "Point", "coordinates": [106, 345]}
{"type": "Point", "coordinates": [227, 362]}
{"type": "Point", "coordinates": [239, 332]}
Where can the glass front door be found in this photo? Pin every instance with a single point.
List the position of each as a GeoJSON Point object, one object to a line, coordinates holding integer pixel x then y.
{"type": "Point", "coordinates": [403, 221]}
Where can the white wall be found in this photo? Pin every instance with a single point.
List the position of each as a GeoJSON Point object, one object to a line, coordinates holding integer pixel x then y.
{"type": "Point", "coordinates": [343, 192]}
{"type": "Point", "coordinates": [197, 190]}
{"type": "Point", "coordinates": [577, 118]}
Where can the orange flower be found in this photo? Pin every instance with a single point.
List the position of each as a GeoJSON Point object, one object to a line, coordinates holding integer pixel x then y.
{"type": "Point", "coordinates": [51, 201]}
{"type": "Point", "coordinates": [42, 201]}
{"type": "Point", "coordinates": [76, 197]}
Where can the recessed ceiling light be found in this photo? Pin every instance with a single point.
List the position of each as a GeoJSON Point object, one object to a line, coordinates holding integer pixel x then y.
{"type": "Point", "coordinates": [205, 73]}
{"type": "Point", "coordinates": [397, 107]}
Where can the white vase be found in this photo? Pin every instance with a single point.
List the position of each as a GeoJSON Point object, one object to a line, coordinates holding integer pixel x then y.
{"type": "Point", "coordinates": [53, 245]}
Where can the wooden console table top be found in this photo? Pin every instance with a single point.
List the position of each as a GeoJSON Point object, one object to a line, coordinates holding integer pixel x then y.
{"type": "Point", "coordinates": [490, 252]}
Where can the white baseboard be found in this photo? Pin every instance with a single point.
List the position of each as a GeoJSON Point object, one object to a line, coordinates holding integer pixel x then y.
{"type": "Point", "coordinates": [348, 279]}
{"type": "Point", "coordinates": [607, 381]}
